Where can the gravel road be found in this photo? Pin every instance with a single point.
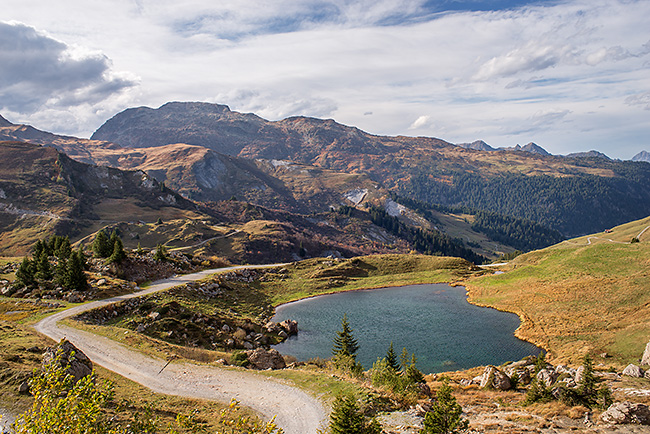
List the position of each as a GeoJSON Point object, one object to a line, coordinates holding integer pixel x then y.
{"type": "Point", "coordinates": [296, 412]}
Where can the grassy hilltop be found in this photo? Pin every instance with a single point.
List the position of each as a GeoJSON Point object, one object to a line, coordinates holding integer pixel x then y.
{"type": "Point", "coordinates": [588, 294]}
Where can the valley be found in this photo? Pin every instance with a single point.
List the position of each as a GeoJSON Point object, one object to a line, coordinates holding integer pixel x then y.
{"type": "Point", "coordinates": [273, 212]}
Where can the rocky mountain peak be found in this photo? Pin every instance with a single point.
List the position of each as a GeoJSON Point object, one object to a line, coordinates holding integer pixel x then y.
{"type": "Point", "coordinates": [589, 154]}
{"type": "Point", "coordinates": [642, 156]}
{"type": "Point", "coordinates": [4, 122]}
{"type": "Point", "coordinates": [477, 145]}
{"type": "Point", "coordinates": [534, 148]}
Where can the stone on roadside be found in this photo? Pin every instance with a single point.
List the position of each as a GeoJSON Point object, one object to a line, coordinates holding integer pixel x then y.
{"type": "Point", "coordinates": [265, 359]}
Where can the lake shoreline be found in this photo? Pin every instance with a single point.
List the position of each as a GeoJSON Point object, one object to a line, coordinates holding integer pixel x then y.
{"type": "Point", "coordinates": [401, 310]}
{"type": "Point", "coordinates": [468, 290]}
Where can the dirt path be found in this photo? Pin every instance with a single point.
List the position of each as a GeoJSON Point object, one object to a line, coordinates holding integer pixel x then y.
{"type": "Point", "coordinates": [296, 411]}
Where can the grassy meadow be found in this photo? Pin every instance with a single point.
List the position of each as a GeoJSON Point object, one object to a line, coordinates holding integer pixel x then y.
{"type": "Point", "coordinates": [586, 295]}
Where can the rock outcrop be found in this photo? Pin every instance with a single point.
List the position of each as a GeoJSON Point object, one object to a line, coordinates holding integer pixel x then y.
{"type": "Point", "coordinates": [626, 412]}
{"type": "Point", "coordinates": [493, 378]}
{"type": "Point", "coordinates": [75, 362]}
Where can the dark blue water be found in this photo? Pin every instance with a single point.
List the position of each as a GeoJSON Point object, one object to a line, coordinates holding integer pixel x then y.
{"type": "Point", "coordinates": [433, 321]}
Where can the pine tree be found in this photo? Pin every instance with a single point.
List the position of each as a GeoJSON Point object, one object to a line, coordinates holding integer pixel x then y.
{"type": "Point", "coordinates": [25, 272]}
{"type": "Point", "coordinates": [75, 278]}
{"type": "Point", "coordinates": [118, 254]}
{"type": "Point", "coordinates": [43, 267]}
{"type": "Point", "coordinates": [63, 249]}
{"type": "Point", "coordinates": [445, 415]}
{"type": "Point", "coordinates": [160, 254]}
{"type": "Point", "coordinates": [391, 358]}
{"type": "Point", "coordinates": [346, 417]}
{"type": "Point", "coordinates": [101, 246]}
{"type": "Point", "coordinates": [344, 342]}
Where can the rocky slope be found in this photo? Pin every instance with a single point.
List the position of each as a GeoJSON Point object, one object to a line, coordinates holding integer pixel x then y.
{"type": "Point", "coordinates": [43, 192]}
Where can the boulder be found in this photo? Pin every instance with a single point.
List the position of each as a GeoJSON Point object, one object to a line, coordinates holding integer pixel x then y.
{"type": "Point", "coordinates": [265, 359]}
{"type": "Point", "coordinates": [645, 360]}
{"type": "Point", "coordinates": [547, 377]}
{"type": "Point", "coordinates": [493, 378]}
{"type": "Point", "coordinates": [75, 362]}
{"type": "Point", "coordinates": [633, 371]}
{"type": "Point", "coordinates": [626, 412]}
{"type": "Point", "coordinates": [23, 389]}
{"type": "Point", "coordinates": [290, 326]}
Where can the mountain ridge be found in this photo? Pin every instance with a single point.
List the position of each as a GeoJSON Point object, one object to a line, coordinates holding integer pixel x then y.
{"type": "Point", "coordinates": [423, 168]}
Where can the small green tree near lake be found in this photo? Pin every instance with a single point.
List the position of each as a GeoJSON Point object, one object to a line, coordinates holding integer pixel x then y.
{"type": "Point", "coordinates": [347, 418]}
{"type": "Point", "coordinates": [402, 380]}
{"type": "Point", "coordinates": [344, 349]}
{"type": "Point", "coordinates": [391, 358]}
{"type": "Point", "coordinates": [445, 416]}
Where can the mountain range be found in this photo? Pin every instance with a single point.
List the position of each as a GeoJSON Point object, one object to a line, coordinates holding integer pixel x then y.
{"type": "Point", "coordinates": [301, 166]}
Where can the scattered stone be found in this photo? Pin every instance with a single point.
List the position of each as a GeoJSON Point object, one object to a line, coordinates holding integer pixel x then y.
{"type": "Point", "coordinates": [101, 282]}
{"type": "Point", "coordinates": [265, 359]}
{"type": "Point", "coordinates": [140, 328]}
{"type": "Point", "coordinates": [240, 334]}
{"type": "Point", "coordinates": [154, 315]}
{"type": "Point", "coordinates": [221, 362]}
{"type": "Point", "coordinates": [73, 359]}
{"type": "Point", "coordinates": [633, 371]}
{"type": "Point", "coordinates": [74, 297]}
{"type": "Point", "coordinates": [225, 328]}
{"type": "Point", "coordinates": [604, 355]}
{"type": "Point", "coordinates": [248, 345]}
{"type": "Point", "coordinates": [626, 412]}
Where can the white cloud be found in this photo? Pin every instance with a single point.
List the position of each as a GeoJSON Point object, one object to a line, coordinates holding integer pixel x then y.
{"type": "Point", "coordinates": [580, 66]}
{"type": "Point", "coordinates": [422, 121]}
{"type": "Point", "coordinates": [39, 73]}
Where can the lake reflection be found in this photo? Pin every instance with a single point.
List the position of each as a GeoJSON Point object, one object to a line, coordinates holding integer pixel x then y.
{"type": "Point", "coordinates": [434, 321]}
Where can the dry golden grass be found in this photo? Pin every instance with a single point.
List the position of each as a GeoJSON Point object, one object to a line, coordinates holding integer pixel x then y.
{"type": "Point", "coordinates": [576, 298]}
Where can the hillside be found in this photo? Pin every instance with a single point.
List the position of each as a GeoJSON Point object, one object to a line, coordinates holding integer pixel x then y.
{"type": "Point", "coordinates": [587, 294]}
{"type": "Point", "coordinates": [43, 192]}
{"type": "Point", "coordinates": [585, 195]}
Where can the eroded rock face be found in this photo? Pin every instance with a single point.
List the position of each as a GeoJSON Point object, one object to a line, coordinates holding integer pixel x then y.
{"type": "Point", "coordinates": [76, 362]}
{"type": "Point", "coordinates": [265, 359]}
{"type": "Point", "coordinates": [493, 378]}
{"type": "Point", "coordinates": [626, 412]}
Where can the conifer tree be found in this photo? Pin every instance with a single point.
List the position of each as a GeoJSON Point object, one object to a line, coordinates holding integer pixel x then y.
{"type": "Point", "coordinates": [344, 342]}
{"type": "Point", "coordinates": [347, 418]}
{"type": "Point", "coordinates": [75, 278]}
{"type": "Point", "coordinates": [118, 254]}
{"type": "Point", "coordinates": [43, 267]}
{"type": "Point", "coordinates": [25, 272]}
{"type": "Point", "coordinates": [391, 358]}
{"type": "Point", "coordinates": [101, 246]}
{"type": "Point", "coordinates": [63, 249]}
{"type": "Point", "coordinates": [160, 254]}
{"type": "Point", "coordinates": [445, 415]}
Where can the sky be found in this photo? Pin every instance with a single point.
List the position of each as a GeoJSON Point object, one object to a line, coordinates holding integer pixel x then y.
{"type": "Point", "coordinates": [570, 75]}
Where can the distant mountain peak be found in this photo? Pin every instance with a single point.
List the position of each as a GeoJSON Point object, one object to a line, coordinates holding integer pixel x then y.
{"type": "Point", "coordinates": [589, 154]}
{"type": "Point", "coordinates": [477, 145]}
{"type": "Point", "coordinates": [534, 148]}
{"type": "Point", "coordinates": [4, 122]}
{"type": "Point", "coordinates": [642, 156]}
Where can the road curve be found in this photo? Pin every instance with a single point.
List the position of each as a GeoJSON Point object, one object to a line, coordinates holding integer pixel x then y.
{"type": "Point", "coordinates": [296, 412]}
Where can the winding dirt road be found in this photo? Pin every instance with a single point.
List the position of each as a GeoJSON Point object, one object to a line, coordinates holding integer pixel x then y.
{"type": "Point", "coordinates": [296, 412]}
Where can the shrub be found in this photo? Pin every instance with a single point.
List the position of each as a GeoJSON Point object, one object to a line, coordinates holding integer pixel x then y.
{"type": "Point", "coordinates": [347, 418]}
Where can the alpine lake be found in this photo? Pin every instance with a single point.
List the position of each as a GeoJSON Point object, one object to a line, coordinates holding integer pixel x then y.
{"type": "Point", "coordinates": [433, 321]}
